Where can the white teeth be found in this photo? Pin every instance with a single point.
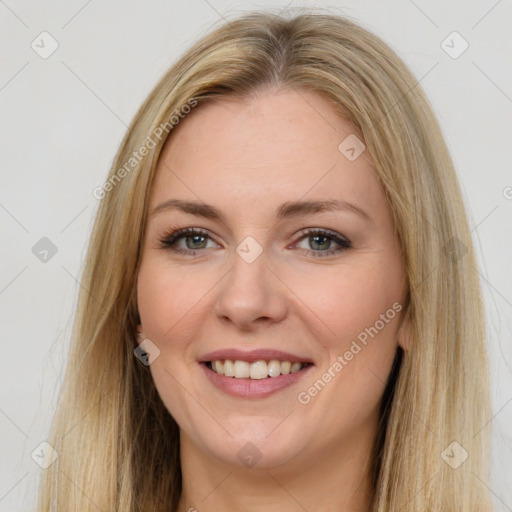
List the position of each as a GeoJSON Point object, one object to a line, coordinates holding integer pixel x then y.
{"type": "Point", "coordinates": [274, 368]}
{"type": "Point", "coordinates": [256, 370]}
{"type": "Point", "coordinates": [295, 367]}
{"type": "Point", "coordinates": [217, 367]}
{"type": "Point", "coordinates": [229, 368]}
{"type": "Point", "coordinates": [285, 367]}
{"type": "Point", "coordinates": [241, 369]}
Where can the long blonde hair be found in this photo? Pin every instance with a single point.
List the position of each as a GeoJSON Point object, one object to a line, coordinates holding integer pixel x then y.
{"type": "Point", "coordinates": [118, 446]}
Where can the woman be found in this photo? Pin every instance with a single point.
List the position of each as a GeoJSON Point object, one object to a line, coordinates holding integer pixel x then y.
{"type": "Point", "coordinates": [278, 308]}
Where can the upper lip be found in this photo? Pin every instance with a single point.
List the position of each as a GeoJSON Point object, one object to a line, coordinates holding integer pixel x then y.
{"type": "Point", "coordinates": [250, 356]}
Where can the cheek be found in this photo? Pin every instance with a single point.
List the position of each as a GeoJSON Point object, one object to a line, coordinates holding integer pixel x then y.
{"type": "Point", "coordinates": [170, 298]}
{"type": "Point", "coordinates": [360, 308]}
{"type": "Point", "coordinates": [350, 299]}
{"type": "Point", "coordinates": [171, 302]}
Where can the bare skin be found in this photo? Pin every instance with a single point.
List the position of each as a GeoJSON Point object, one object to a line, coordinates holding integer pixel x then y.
{"type": "Point", "coordinates": [304, 295]}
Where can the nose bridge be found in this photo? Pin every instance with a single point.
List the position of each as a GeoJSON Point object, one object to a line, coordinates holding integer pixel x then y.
{"type": "Point", "coordinates": [250, 264]}
{"type": "Point", "coordinates": [250, 290]}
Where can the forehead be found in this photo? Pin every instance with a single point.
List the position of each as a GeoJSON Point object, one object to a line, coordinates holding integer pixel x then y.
{"type": "Point", "coordinates": [263, 150]}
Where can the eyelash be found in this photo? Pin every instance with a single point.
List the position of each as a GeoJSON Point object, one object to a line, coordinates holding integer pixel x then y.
{"type": "Point", "coordinates": [168, 241]}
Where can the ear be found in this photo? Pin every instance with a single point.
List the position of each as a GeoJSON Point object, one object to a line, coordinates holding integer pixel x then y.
{"type": "Point", "coordinates": [404, 335]}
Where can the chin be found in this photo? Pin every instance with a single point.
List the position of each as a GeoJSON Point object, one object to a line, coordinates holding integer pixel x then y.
{"type": "Point", "coordinates": [252, 444]}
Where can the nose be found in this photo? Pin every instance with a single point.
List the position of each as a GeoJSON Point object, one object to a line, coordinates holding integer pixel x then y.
{"type": "Point", "coordinates": [251, 295]}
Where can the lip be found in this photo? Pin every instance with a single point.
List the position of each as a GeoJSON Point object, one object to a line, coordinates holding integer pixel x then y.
{"type": "Point", "coordinates": [250, 356]}
{"type": "Point", "coordinates": [253, 388]}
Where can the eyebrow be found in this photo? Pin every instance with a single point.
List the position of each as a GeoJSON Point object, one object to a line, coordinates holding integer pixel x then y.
{"type": "Point", "coordinates": [286, 210]}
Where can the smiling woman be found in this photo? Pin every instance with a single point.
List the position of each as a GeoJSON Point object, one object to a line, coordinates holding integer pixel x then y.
{"type": "Point", "coordinates": [279, 307]}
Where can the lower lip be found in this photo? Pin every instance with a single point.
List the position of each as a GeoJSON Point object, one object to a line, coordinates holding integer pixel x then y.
{"type": "Point", "coordinates": [253, 388]}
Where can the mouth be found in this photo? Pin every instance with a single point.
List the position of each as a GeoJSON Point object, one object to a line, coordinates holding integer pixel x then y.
{"type": "Point", "coordinates": [255, 370]}
{"type": "Point", "coordinates": [256, 378]}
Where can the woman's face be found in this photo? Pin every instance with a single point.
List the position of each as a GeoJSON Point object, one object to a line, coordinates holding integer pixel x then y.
{"type": "Point", "coordinates": [277, 273]}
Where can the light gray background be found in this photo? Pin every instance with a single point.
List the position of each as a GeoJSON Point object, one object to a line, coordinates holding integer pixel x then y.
{"type": "Point", "coordinates": [63, 118]}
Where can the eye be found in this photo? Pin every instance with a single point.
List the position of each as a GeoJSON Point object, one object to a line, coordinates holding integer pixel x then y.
{"type": "Point", "coordinates": [321, 241]}
{"type": "Point", "coordinates": [194, 239]}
